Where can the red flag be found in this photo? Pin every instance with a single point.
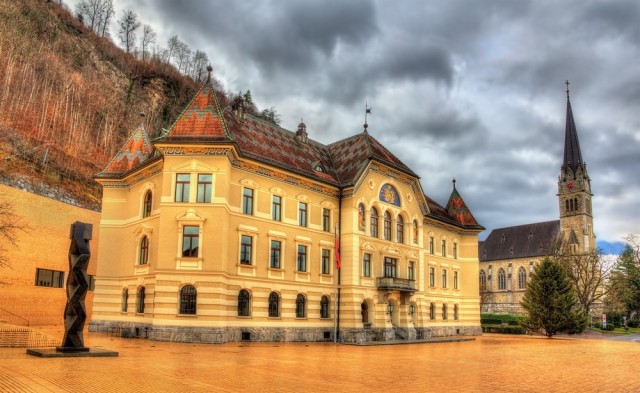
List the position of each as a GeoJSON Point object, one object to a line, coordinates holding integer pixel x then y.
{"type": "Point", "coordinates": [337, 235]}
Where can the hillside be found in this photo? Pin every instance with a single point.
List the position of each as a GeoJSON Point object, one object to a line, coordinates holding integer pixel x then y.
{"type": "Point", "coordinates": [69, 98]}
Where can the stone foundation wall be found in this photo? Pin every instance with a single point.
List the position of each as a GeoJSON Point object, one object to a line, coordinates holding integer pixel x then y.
{"type": "Point", "coordinates": [212, 335]}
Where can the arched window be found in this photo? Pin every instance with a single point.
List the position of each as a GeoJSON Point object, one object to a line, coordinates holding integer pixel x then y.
{"type": "Point", "coordinates": [571, 204]}
{"type": "Point", "coordinates": [361, 217]}
{"type": "Point", "coordinates": [575, 203]}
{"type": "Point", "coordinates": [502, 279]}
{"type": "Point", "coordinates": [522, 278]}
{"type": "Point", "coordinates": [444, 312]}
{"type": "Point", "coordinates": [188, 297]}
{"type": "Point", "coordinates": [566, 203]}
{"type": "Point", "coordinates": [432, 311]}
{"type": "Point", "coordinates": [387, 226]}
{"type": "Point", "coordinates": [274, 305]}
{"type": "Point", "coordinates": [243, 303]}
{"type": "Point", "coordinates": [415, 232]}
{"type": "Point", "coordinates": [140, 301]}
{"type": "Point", "coordinates": [144, 251]}
{"type": "Point", "coordinates": [364, 310]}
{"type": "Point", "coordinates": [125, 300]}
{"type": "Point", "coordinates": [483, 281]}
{"type": "Point", "coordinates": [301, 309]}
{"type": "Point", "coordinates": [374, 222]}
{"type": "Point", "coordinates": [455, 312]}
{"type": "Point", "coordinates": [146, 205]}
{"type": "Point", "coordinates": [400, 230]}
{"type": "Point", "coordinates": [324, 307]}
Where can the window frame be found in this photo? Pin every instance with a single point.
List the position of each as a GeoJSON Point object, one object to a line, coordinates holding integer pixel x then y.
{"type": "Point", "coordinates": [147, 203]}
{"type": "Point", "coordinates": [443, 249]}
{"type": "Point", "coordinates": [303, 214]}
{"type": "Point", "coordinates": [274, 305]}
{"type": "Point", "coordinates": [432, 276]}
{"type": "Point", "coordinates": [203, 188]}
{"type": "Point", "coordinates": [275, 254]}
{"type": "Point", "coordinates": [502, 280]}
{"type": "Point", "coordinates": [56, 279]}
{"type": "Point", "coordinates": [190, 236]}
{"type": "Point", "coordinates": [411, 270]}
{"type": "Point", "coordinates": [387, 226]}
{"type": "Point", "coordinates": [325, 261]}
{"type": "Point", "coordinates": [326, 219]}
{"type": "Point", "coordinates": [390, 267]}
{"type": "Point", "coordinates": [183, 187]}
{"type": "Point", "coordinates": [302, 257]}
{"type": "Point", "coordinates": [400, 229]}
{"type": "Point", "coordinates": [188, 300]}
{"type": "Point", "coordinates": [246, 248]}
{"type": "Point", "coordinates": [276, 208]}
{"type": "Point", "coordinates": [432, 311]}
{"type": "Point", "coordinates": [325, 307]}
{"type": "Point", "coordinates": [444, 278]}
{"type": "Point", "coordinates": [143, 251]}
{"type": "Point", "coordinates": [140, 297]}
{"type": "Point", "coordinates": [366, 264]}
{"type": "Point", "coordinates": [455, 250]}
{"type": "Point", "coordinates": [373, 223]}
{"type": "Point", "coordinates": [522, 278]}
{"type": "Point", "coordinates": [445, 312]}
{"type": "Point", "coordinates": [301, 306]}
{"type": "Point", "coordinates": [456, 280]}
{"type": "Point", "coordinates": [247, 201]}
{"type": "Point", "coordinates": [432, 246]}
{"type": "Point", "coordinates": [244, 303]}
{"type": "Point", "coordinates": [124, 300]}
{"type": "Point", "coordinates": [483, 280]}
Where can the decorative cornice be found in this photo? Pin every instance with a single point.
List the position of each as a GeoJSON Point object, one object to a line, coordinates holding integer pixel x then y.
{"type": "Point", "coordinates": [134, 178]}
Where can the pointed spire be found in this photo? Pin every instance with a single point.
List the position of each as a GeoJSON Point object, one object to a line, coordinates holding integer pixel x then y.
{"type": "Point", "coordinates": [367, 111]}
{"type": "Point", "coordinates": [137, 150]}
{"type": "Point", "coordinates": [572, 154]}
{"type": "Point", "coordinates": [457, 209]}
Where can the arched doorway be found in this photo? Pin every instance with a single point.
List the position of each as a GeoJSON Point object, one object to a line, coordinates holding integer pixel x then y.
{"type": "Point", "coordinates": [366, 308]}
{"type": "Point", "coordinates": [394, 312]}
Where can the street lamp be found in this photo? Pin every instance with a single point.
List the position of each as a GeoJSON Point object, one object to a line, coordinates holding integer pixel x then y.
{"type": "Point", "coordinates": [412, 309]}
{"type": "Point", "coordinates": [390, 308]}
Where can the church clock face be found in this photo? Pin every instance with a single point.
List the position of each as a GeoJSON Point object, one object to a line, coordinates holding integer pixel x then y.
{"type": "Point", "coordinates": [570, 185]}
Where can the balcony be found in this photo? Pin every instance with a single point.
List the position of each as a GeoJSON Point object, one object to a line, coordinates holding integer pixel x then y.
{"type": "Point", "coordinates": [396, 284]}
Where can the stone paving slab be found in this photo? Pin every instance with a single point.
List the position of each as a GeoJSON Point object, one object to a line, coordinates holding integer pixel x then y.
{"type": "Point", "coordinates": [490, 363]}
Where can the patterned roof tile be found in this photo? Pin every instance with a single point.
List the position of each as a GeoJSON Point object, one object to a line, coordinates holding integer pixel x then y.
{"type": "Point", "coordinates": [135, 152]}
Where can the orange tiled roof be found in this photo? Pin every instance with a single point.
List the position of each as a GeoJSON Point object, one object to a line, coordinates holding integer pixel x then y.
{"type": "Point", "coordinates": [135, 152]}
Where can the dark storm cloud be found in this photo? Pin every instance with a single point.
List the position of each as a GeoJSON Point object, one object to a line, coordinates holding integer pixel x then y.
{"type": "Point", "coordinates": [466, 89]}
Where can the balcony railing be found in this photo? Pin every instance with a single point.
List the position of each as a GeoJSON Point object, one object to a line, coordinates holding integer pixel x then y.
{"type": "Point", "coordinates": [394, 283]}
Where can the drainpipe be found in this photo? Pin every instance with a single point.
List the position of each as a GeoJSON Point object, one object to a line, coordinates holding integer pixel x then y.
{"type": "Point", "coordinates": [339, 270]}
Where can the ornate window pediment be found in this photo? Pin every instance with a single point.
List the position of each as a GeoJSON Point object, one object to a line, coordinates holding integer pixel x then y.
{"type": "Point", "coordinates": [391, 250]}
{"type": "Point", "coordinates": [142, 230]}
{"type": "Point", "coordinates": [367, 246]}
{"type": "Point", "coordinates": [189, 215]}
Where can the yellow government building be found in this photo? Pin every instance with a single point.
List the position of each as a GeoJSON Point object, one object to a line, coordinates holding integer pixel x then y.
{"type": "Point", "coordinates": [230, 228]}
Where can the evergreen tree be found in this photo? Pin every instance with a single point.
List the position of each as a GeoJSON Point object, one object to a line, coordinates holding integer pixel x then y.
{"type": "Point", "coordinates": [550, 302]}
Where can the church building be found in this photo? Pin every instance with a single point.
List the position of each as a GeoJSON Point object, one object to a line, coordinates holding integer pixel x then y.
{"type": "Point", "coordinates": [230, 228]}
{"type": "Point", "coordinates": [508, 255]}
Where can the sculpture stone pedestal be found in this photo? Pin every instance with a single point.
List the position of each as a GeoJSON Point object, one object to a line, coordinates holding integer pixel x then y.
{"type": "Point", "coordinates": [75, 312]}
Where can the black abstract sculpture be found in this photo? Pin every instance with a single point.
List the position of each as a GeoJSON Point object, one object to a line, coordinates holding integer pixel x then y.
{"type": "Point", "coordinates": [75, 312]}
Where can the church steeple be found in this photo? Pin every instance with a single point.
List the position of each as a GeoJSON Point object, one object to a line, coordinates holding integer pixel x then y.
{"type": "Point", "coordinates": [574, 191]}
{"type": "Point", "coordinates": [572, 154]}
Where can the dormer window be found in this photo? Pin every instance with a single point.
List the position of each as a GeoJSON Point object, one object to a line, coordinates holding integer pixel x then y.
{"type": "Point", "coordinates": [317, 166]}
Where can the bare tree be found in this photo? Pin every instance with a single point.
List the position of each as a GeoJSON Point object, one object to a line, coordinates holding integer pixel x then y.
{"type": "Point", "coordinates": [107, 14]}
{"type": "Point", "coordinates": [172, 44]}
{"type": "Point", "coordinates": [148, 38]}
{"type": "Point", "coordinates": [183, 55]}
{"type": "Point", "coordinates": [127, 33]}
{"type": "Point", "coordinates": [10, 224]}
{"type": "Point", "coordinates": [587, 274]}
{"type": "Point", "coordinates": [96, 14]}
{"type": "Point", "coordinates": [199, 65]}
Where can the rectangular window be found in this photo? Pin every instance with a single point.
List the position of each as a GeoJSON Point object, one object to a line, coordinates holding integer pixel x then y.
{"type": "Point", "coordinates": [455, 280]}
{"type": "Point", "coordinates": [326, 220]}
{"type": "Point", "coordinates": [276, 208]}
{"type": "Point", "coordinates": [247, 201]}
{"type": "Point", "coordinates": [204, 188]}
{"type": "Point", "coordinates": [326, 261]}
{"type": "Point", "coordinates": [432, 276]}
{"type": "Point", "coordinates": [366, 265]}
{"type": "Point", "coordinates": [444, 248]}
{"type": "Point", "coordinates": [92, 282]}
{"type": "Point", "coordinates": [411, 271]}
{"type": "Point", "coordinates": [390, 265]}
{"type": "Point", "coordinates": [431, 247]}
{"type": "Point", "coordinates": [274, 262]}
{"type": "Point", "coordinates": [302, 258]}
{"type": "Point", "coordinates": [190, 241]}
{"type": "Point", "coordinates": [183, 181]}
{"type": "Point", "coordinates": [455, 250]}
{"type": "Point", "coordinates": [302, 214]}
{"type": "Point", "coordinates": [444, 278]}
{"type": "Point", "coordinates": [246, 248]}
{"type": "Point", "coordinates": [49, 278]}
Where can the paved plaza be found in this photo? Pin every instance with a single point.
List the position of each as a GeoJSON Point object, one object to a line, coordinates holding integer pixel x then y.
{"type": "Point", "coordinates": [491, 363]}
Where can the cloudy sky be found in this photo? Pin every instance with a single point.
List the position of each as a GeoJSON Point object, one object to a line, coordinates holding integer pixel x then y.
{"type": "Point", "coordinates": [466, 89]}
